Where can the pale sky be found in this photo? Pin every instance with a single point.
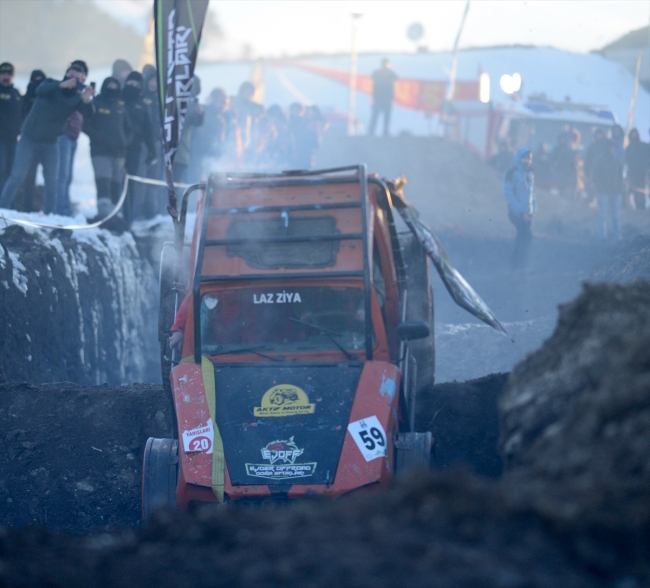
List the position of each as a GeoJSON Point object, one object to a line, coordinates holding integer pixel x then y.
{"type": "Point", "coordinates": [279, 27]}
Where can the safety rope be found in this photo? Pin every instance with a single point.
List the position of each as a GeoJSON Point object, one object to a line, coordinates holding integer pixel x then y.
{"type": "Point", "coordinates": [218, 458]}
{"type": "Point", "coordinates": [115, 210]}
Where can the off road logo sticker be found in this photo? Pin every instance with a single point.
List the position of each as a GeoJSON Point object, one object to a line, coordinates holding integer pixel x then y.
{"type": "Point", "coordinates": [281, 456]}
{"type": "Point", "coordinates": [370, 437]}
{"type": "Point", "coordinates": [284, 400]}
{"type": "Point", "coordinates": [199, 439]}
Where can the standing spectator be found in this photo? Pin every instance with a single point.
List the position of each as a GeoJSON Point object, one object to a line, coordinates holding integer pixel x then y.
{"type": "Point", "coordinates": [67, 150]}
{"type": "Point", "coordinates": [300, 138]}
{"type": "Point", "coordinates": [637, 163]}
{"type": "Point", "coordinates": [121, 70]}
{"type": "Point", "coordinates": [248, 114]}
{"type": "Point", "coordinates": [519, 191]}
{"type": "Point", "coordinates": [564, 165]}
{"type": "Point", "coordinates": [219, 135]}
{"type": "Point", "coordinates": [194, 118]}
{"type": "Point", "coordinates": [142, 135]}
{"type": "Point", "coordinates": [503, 159]}
{"type": "Point", "coordinates": [608, 181]}
{"type": "Point", "coordinates": [25, 201]}
{"type": "Point", "coordinates": [279, 148]}
{"type": "Point", "coordinates": [40, 133]}
{"type": "Point", "coordinates": [109, 132]}
{"type": "Point", "coordinates": [383, 91]}
{"type": "Point", "coordinates": [543, 170]}
{"type": "Point", "coordinates": [618, 138]}
{"type": "Point", "coordinates": [593, 153]}
{"type": "Point", "coordinates": [155, 197]}
{"type": "Point", "coordinates": [11, 117]}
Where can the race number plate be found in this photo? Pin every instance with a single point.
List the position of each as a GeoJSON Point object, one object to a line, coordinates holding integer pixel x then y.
{"type": "Point", "coordinates": [370, 437]}
{"type": "Point", "coordinates": [199, 439]}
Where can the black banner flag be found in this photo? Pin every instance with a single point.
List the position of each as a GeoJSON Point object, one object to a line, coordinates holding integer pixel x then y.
{"type": "Point", "coordinates": [178, 33]}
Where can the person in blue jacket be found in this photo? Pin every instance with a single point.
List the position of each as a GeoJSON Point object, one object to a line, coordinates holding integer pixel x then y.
{"type": "Point", "coordinates": [519, 191]}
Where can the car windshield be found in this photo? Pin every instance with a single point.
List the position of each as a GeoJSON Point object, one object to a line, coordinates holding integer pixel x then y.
{"type": "Point", "coordinates": [282, 320]}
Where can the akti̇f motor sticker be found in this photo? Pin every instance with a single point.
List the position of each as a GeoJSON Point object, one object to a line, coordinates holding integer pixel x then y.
{"type": "Point", "coordinates": [370, 437]}
{"type": "Point", "coordinates": [199, 439]}
{"type": "Point", "coordinates": [284, 400]}
{"type": "Point", "coordinates": [281, 456]}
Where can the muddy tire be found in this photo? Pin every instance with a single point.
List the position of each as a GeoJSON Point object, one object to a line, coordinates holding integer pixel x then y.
{"type": "Point", "coordinates": [413, 451]}
{"type": "Point", "coordinates": [419, 307]}
{"type": "Point", "coordinates": [159, 475]}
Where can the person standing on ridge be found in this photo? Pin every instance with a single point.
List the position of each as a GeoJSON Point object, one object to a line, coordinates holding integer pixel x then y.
{"type": "Point", "coordinates": [109, 132]}
{"type": "Point", "coordinates": [637, 164]}
{"type": "Point", "coordinates": [67, 150]}
{"type": "Point", "coordinates": [11, 117]}
{"type": "Point", "coordinates": [383, 92]}
{"type": "Point", "coordinates": [142, 135]}
{"type": "Point", "coordinates": [608, 180]}
{"type": "Point", "coordinates": [519, 191]}
{"type": "Point", "coordinates": [39, 135]}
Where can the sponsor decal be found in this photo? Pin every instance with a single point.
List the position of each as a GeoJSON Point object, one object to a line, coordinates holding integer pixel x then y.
{"type": "Point", "coordinates": [370, 437]}
{"type": "Point", "coordinates": [281, 456]}
{"type": "Point", "coordinates": [200, 439]}
{"type": "Point", "coordinates": [277, 298]}
{"type": "Point", "coordinates": [284, 400]}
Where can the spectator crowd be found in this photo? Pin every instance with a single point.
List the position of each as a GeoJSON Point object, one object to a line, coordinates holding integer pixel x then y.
{"type": "Point", "coordinates": [611, 172]}
{"type": "Point", "coordinates": [122, 121]}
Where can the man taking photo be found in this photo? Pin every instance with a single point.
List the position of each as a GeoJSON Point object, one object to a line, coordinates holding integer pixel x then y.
{"type": "Point", "coordinates": [46, 122]}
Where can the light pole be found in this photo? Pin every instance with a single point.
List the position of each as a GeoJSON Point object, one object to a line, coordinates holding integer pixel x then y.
{"type": "Point", "coordinates": [352, 102]}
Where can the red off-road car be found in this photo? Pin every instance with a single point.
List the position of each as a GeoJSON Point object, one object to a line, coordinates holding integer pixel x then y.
{"type": "Point", "coordinates": [309, 332]}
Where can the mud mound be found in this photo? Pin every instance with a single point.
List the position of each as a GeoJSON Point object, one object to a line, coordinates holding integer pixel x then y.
{"type": "Point", "coordinates": [70, 457]}
{"type": "Point", "coordinates": [434, 531]}
{"type": "Point", "coordinates": [575, 416]}
{"type": "Point", "coordinates": [79, 307]}
{"type": "Point", "coordinates": [631, 262]}
{"type": "Point", "coordinates": [464, 420]}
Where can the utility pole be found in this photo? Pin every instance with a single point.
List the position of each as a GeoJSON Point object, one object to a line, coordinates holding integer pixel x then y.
{"type": "Point", "coordinates": [352, 102]}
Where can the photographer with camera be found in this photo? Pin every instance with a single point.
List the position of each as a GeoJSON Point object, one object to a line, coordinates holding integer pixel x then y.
{"type": "Point", "coordinates": [46, 122]}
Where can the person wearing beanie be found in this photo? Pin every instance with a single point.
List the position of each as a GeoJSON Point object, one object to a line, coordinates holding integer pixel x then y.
{"type": "Point", "coordinates": [40, 132]}
{"type": "Point", "coordinates": [121, 69]}
{"type": "Point", "coordinates": [109, 132]}
{"type": "Point", "coordinates": [142, 135]}
{"type": "Point", "coordinates": [67, 150]}
{"type": "Point", "coordinates": [11, 117]}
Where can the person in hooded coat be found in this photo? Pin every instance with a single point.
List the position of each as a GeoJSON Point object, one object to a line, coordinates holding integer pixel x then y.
{"type": "Point", "coordinates": [109, 132]}
{"type": "Point", "coordinates": [155, 197]}
{"type": "Point", "coordinates": [608, 180]}
{"type": "Point", "coordinates": [637, 162]}
{"type": "Point", "coordinates": [142, 135]}
{"type": "Point", "coordinates": [519, 192]}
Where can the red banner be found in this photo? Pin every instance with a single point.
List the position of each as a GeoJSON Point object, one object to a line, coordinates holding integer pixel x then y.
{"type": "Point", "coordinates": [427, 95]}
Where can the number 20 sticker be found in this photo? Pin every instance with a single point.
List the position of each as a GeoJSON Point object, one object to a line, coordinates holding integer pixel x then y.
{"type": "Point", "coordinates": [370, 437]}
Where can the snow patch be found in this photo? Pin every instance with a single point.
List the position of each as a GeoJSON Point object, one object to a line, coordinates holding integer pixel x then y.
{"type": "Point", "coordinates": [20, 279]}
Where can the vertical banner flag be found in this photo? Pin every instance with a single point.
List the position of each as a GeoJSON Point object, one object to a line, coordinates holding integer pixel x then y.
{"type": "Point", "coordinates": [178, 33]}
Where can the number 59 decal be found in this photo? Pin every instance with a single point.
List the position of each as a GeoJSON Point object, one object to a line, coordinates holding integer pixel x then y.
{"type": "Point", "coordinates": [370, 437]}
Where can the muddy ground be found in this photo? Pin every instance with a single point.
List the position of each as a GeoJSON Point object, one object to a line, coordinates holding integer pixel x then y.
{"type": "Point", "coordinates": [572, 509]}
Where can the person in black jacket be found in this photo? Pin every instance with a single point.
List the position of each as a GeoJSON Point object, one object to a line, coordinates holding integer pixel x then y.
{"type": "Point", "coordinates": [608, 181]}
{"type": "Point", "coordinates": [155, 199]}
{"type": "Point", "coordinates": [11, 117]}
{"type": "Point", "coordinates": [46, 122]}
{"type": "Point", "coordinates": [109, 132]}
{"type": "Point", "coordinates": [637, 163]}
{"type": "Point", "coordinates": [142, 134]}
{"type": "Point", "coordinates": [26, 200]}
